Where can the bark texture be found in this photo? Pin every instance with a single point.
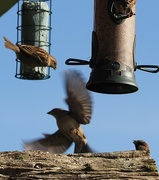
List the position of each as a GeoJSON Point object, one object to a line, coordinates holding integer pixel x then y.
{"type": "Point", "coordinates": [132, 165]}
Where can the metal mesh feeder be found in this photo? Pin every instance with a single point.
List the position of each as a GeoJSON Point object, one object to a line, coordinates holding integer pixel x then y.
{"type": "Point", "coordinates": [33, 28]}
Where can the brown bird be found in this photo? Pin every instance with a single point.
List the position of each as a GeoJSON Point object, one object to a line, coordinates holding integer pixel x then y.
{"type": "Point", "coordinates": [141, 145]}
{"type": "Point", "coordinates": [80, 111]}
{"type": "Point", "coordinates": [31, 56]}
{"type": "Point", "coordinates": [124, 7]}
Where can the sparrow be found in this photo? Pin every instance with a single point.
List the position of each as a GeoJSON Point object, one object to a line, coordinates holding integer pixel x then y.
{"type": "Point", "coordinates": [124, 7]}
{"type": "Point", "coordinates": [141, 145]}
{"type": "Point", "coordinates": [31, 56]}
{"type": "Point", "coordinates": [68, 121]}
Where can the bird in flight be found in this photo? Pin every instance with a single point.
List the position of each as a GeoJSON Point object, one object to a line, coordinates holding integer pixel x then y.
{"type": "Point", "coordinates": [68, 121]}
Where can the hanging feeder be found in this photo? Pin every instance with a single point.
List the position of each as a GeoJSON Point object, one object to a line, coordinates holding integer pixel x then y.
{"type": "Point", "coordinates": [113, 46]}
{"type": "Point", "coordinates": [112, 62]}
{"type": "Point", "coordinates": [33, 28]}
{"type": "Point", "coordinates": [113, 51]}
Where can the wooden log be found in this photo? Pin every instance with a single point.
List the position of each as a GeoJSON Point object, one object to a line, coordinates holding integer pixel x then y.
{"type": "Point", "coordinates": [42, 165]}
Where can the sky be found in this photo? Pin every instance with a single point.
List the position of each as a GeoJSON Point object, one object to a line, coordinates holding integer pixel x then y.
{"type": "Point", "coordinates": [117, 120]}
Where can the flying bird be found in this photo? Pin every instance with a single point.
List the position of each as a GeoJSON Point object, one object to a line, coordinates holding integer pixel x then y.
{"type": "Point", "coordinates": [124, 7]}
{"type": "Point", "coordinates": [31, 56]}
{"type": "Point", "coordinates": [68, 121]}
{"type": "Point", "coordinates": [141, 145]}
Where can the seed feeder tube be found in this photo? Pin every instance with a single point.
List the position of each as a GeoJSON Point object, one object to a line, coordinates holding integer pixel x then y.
{"type": "Point", "coordinates": [113, 51]}
{"type": "Point", "coordinates": [113, 46]}
{"type": "Point", "coordinates": [34, 28]}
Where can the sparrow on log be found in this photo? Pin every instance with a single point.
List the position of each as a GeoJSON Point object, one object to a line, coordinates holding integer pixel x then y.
{"type": "Point", "coordinates": [141, 145]}
{"type": "Point", "coordinates": [124, 7]}
{"type": "Point", "coordinates": [68, 121]}
{"type": "Point", "coordinates": [31, 56]}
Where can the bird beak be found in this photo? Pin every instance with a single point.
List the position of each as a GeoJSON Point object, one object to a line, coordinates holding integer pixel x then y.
{"type": "Point", "coordinates": [134, 142]}
{"type": "Point", "coordinates": [49, 112]}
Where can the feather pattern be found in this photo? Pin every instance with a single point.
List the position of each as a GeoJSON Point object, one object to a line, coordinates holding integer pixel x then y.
{"type": "Point", "coordinates": [78, 98]}
{"type": "Point", "coordinates": [32, 56]}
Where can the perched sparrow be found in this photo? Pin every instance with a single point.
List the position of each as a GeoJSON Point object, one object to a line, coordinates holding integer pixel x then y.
{"type": "Point", "coordinates": [80, 111]}
{"type": "Point", "coordinates": [141, 145]}
{"type": "Point", "coordinates": [31, 56]}
{"type": "Point", "coordinates": [124, 7]}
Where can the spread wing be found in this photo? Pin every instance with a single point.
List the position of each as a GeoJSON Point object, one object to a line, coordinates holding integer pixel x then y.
{"type": "Point", "coordinates": [54, 143]}
{"type": "Point", "coordinates": [78, 97]}
{"type": "Point", "coordinates": [37, 54]}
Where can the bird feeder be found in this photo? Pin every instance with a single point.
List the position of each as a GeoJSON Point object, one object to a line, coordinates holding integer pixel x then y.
{"type": "Point", "coordinates": [113, 62]}
{"type": "Point", "coordinates": [113, 47]}
{"type": "Point", "coordinates": [33, 28]}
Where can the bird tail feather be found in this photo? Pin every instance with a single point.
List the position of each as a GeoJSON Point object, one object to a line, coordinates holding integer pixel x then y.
{"type": "Point", "coordinates": [8, 44]}
{"type": "Point", "coordinates": [82, 148]}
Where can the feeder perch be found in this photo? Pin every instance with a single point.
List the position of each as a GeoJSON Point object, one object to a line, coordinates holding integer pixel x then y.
{"type": "Point", "coordinates": [33, 28]}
